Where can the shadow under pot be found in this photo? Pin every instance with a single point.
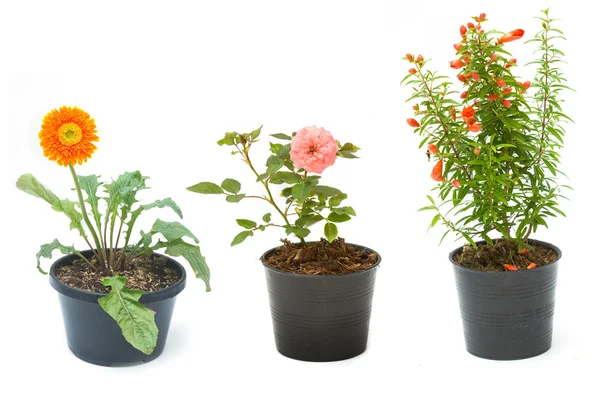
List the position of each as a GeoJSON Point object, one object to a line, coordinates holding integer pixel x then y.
{"type": "Point", "coordinates": [507, 315]}
{"type": "Point", "coordinates": [321, 317]}
{"type": "Point", "coordinates": [94, 336]}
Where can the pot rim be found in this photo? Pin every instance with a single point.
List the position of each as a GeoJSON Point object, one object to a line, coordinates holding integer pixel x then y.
{"type": "Point", "coordinates": [331, 276]}
{"type": "Point", "coordinates": [92, 297]}
{"type": "Point", "coordinates": [522, 271]}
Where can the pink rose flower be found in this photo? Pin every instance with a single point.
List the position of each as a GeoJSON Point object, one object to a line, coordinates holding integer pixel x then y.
{"type": "Point", "coordinates": [313, 149]}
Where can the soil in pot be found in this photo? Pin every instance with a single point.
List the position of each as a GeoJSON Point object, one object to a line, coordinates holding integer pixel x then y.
{"type": "Point", "coordinates": [147, 274]}
{"type": "Point", "coordinates": [321, 258]}
{"type": "Point", "coordinates": [492, 258]}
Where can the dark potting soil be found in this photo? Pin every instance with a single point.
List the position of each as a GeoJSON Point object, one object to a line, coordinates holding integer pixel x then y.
{"type": "Point", "coordinates": [493, 258]}
{"type": "Point", "coordinates": [147, 274]}
{"type": "Point", "coordinates": [320, 258]}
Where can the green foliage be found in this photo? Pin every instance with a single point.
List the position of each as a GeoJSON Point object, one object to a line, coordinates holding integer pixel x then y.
{"type": "Point", "coordinates": [305, 201]}
{"type": "Point", "coordinates": [135, 320]}
{"type": "Point", "coordinates": [500, 164]}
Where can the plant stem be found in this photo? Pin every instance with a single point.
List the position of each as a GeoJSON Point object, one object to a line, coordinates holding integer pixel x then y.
{"type": "Point", "coordinates": [86, 218]}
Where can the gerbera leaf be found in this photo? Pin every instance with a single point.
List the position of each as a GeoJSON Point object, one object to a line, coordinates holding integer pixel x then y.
{"type": "Point", "coordinates": [90, 185]}
{"type": "Point", "coordinates": [47, 249]}
{"type": "Point", "coordinates": [172, 230]}
{"type": "Point", "coordinates": [192, 254]}
{"type": "Point", "coordinates": [135, 319]}
{"type": "Point", "coordinates": [168, 202]}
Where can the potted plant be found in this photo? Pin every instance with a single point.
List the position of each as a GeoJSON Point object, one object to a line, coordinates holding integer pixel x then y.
{"type": "Point", "coordinates": [320, 291]}
{"type": "Point", "coordinates": [496, 156]}
{"type": "Point", "coordinates": [118, 279]}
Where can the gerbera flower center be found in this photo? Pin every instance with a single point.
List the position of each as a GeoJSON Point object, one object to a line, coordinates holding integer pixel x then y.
{"type": "Point", "coordinates": [69, 134]}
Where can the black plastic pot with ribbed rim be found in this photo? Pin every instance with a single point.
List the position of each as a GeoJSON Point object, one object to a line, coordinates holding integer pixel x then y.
{"type": "Point", "coordinates": [94, 336]}
{"type": "Point", "coordinates": [321, 317]}
{"type": "Point", "coordinates": [507, 315]}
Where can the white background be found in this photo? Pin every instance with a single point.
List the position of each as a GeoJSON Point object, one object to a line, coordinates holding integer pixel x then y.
{"type": "Point", "coordinates": [165, 80]}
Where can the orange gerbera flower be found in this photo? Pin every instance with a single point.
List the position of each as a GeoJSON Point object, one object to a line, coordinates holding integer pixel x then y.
{"type": "Point", "coordinates": [67, 135]}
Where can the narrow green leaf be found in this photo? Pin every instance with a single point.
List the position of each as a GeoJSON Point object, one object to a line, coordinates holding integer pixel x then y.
{"type": "Point", "coordinates": [246, 223]}
{"type": "Point", "coordinates": [435, 220]}
{"type": "Point", "coordinates": [206, 188]}
{"type": "Point", "coordinates": [89, 184]}
{"type": "Point", "coordinates": [256, 133]}
{"type": "Point", "coordinates": [282, 136]}
{"type": "Point", "coordinates": [135, 320]}
{"type": "Point", "coordinates": [240, 237]}
{"type": "Point", "coordinates": [331, 232]}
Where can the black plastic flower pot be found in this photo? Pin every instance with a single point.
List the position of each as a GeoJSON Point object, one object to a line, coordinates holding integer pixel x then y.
{"type": "Point", "coordinates": [507, 315]}
{"type": "Point", "coordinates": [321, 317]}
{"type": "Point", "coordinates": [94, 336]}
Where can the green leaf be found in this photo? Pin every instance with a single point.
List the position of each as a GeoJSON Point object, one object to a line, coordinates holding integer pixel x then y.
{"type": "Point", "coordinates": [192, 254]}
{"type": "Point", "coordinates": [206, 188]}
{"type": "Point", "coordinates": [331, 232]}
{"type": "Point", "coordinates": [287, 177]}
{"type": "Point", "coordinates": [231, 186]}
{"type": "Point", "coordinates": [284, 151]}
{"type": "Point", "coordinates": [29, 184]}
{"type": "Point", "coordinates": [256, 133]}
{"type": "Point", "coordinates": [235, 198]}
{"type": "Point", "coordinates": [344, 210]}
{"type": "Point", "coordinates": [267, 217]}
{"type": "Point", "coordinates": [172, 230]}
{"type": "Point", "coordinates": [136, 320]}
{"type": "Point", "coordinates": [327, 190]}
{"type": "Point", "coordinates": [90, 186]}
{"type": "Point", "coordinates": [240, 237]}
{"type": "Point", "coordinates": [301, 191]}
{"type": "Point", "coordinates": [299, 231]}
{"type": "Point", "coordinates": [246, 223]}
{"type": "Point", "coordinates": [282, 136]}
{"type": "Point", "coordinates": [337, 199]}
{"type": "Point", "coordinates": [335, 217]}
{"type": "Point", "coordinates": [227, 141]}
{"type": "Point", "coordinates": [435, 220]}
{"type": "Point", "coordinates": [168, 202]}
{"type": "Point", "coordinates": [47, 249]}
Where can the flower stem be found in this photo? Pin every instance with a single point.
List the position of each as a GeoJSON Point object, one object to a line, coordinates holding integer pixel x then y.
{"type": "Point", "coordinates": [86, 218]}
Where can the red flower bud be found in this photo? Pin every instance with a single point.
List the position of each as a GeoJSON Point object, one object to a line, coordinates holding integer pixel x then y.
{"type": "Point", "coordinates": [476, 77]}
{"type": "Point", "coordinates": [412, 71]}
{"type": "Point", "coordinates": [436, 173]}
{"type": "Point", "coordinates": [463, 95]}
{"type": "Point", "coordinates": [410, 57]}
{"type": "Point", "coordinates": [413, 122]}
{"type": "Point", "coordinates": [506, 103]}
{"type": "Point", "coordinates": [481, 17]}
{"type": "Point", "coordinates": [500, 82]}
{"type": "Point", "coordinates": [456, 183]}
{"type": "Point", "coordinates": [510, 267]}
{"type": "Point", "coordinates": [492, 97]}
{"type": "Point", "coordinates": [507, 90]}
{"type": "Point", "coordinates": [474, 128]}
{"type": "Point", "coordinates": [494, 56]}
{"type": "Point", "coordinates": [461, 78]}
{"type": "Point", "coordinates": [416, 107]}
{"type": "Point", "coordinates": [463, 30]}
{"type": "Point", "coordinates": [457, 64]}
{"type": "Point", "coordinates": [476, 151]}
{"type": "Point", "coordinates": [469, 121]}
{"type": "Point", "coordinates": [477, 27]}
{"type": "Point", "coordinates": [512, 35]}
{"type": "Point", "coordinates": [470, 25]}
{"type": "Point", "coordinates": [527, 85]}
{"type": "Point", "coordinates": [419, 58]}
{"type": "Point", "coordinates": [432, 148]}
{"type": "Point", "coordinates": [458, 46]}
